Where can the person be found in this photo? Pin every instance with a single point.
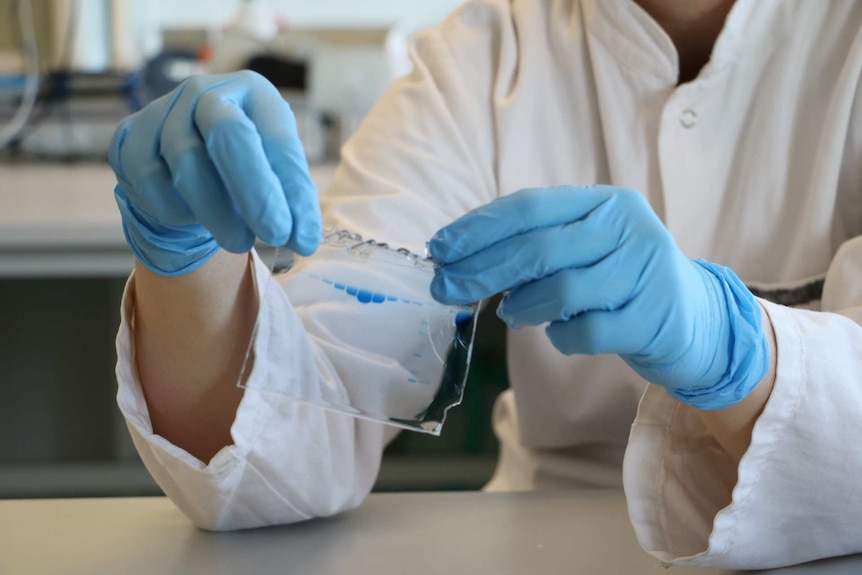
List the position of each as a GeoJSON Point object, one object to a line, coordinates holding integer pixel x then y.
{"type": "Point", "coordinates": [606, 164]}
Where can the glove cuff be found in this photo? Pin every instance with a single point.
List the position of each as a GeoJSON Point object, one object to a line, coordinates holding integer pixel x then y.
{"type": "Point", "coordinates": [748, 347]}
{"type": "Point", "coordinates": [167, 251]}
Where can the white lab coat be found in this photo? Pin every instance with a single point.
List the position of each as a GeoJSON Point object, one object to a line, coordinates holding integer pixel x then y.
{"type": "Point", "coordinates": [754, 165]}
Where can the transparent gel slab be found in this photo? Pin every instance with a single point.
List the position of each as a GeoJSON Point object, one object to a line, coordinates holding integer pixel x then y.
{"type": "Point", "coordinates": [385, 349]}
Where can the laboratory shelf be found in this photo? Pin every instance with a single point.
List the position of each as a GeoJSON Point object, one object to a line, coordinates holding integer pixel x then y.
{"type": "Point", "coordinates": [131, 479]}
{"type": "Point", "coordinates": [60, 220]}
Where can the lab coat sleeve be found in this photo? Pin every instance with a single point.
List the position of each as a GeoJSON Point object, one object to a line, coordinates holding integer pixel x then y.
{"type": "Point", "coordinates": [796, 494]}
{"type": "Point", "coordinates": [288, 461]}
{"type": "Point", "coordinates": [419, 160]}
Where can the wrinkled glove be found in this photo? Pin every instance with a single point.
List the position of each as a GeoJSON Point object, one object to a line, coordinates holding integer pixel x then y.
{"type": "Point", "coordinates": [217, 162]}
{"type": "Point", "coordinates": [598, 265]}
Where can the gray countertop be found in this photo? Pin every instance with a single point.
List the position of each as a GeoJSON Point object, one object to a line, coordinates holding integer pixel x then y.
{"type": "Point", "coordinates": [423, 533]}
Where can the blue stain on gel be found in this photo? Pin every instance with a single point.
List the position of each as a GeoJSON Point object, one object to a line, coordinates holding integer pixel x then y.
{"type": "Point", "coordinates": [417, 355]}
{"type": "Point", "coordinates": [411, 380]}
{"type": "Point", "coordinates": [463, 317]}
{"type": "Point", "coordinates": [367, 296]}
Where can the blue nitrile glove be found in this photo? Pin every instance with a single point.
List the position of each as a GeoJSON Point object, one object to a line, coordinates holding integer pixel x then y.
{"type": "Point", "coordinates": [217, 162]}
{"type": "Point", "coordinates": [598, 264]}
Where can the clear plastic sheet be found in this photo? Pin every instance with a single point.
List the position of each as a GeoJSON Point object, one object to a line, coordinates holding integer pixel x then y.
{"type": "Point", "coordinates": [388, 351]}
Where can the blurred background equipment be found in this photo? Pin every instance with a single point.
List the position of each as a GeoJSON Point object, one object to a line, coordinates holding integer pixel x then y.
{"type": "Point", "coordinates": [21, 88]}
{"type": "Point", "coordinates": [71, 69]}
{"type": "Point", "coordinates": [75, 84]}
{"type": "Point", "coordinates": [249, 33]}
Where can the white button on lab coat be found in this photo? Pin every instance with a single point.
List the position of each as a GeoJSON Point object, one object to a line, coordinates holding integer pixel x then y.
{"type": "Point", "coordinates": [688, 118]}
{"type": "Point", "coordinates": [754, 165]}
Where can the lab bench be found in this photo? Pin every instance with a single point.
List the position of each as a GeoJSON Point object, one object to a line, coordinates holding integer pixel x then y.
{"type": "Point", "coordinates": [417, 533]}
{"type": "Point", "coordinates": [63, 265]}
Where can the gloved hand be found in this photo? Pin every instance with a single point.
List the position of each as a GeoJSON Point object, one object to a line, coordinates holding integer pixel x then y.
{"type": "Point", "coordinates": [598, 264]}
{"type": "Point", "coordinates": [217, 162]}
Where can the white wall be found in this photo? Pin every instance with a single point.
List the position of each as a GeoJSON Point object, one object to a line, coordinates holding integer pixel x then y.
{"type": "Point", "coordinates": [301, 13]}
{"type": "Point", "coordinates": [142, 21]}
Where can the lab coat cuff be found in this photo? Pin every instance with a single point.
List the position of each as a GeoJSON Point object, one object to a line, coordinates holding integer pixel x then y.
{"type": "Point", "coordinates": [252, 414]}
{"type": "Point", "coordinates": [688, 502]}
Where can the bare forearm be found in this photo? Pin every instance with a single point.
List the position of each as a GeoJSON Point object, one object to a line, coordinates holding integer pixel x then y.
{"type": "Point", "coordinates": [732, 426]}
{"type": "Point", "coordinates": [191, 337]}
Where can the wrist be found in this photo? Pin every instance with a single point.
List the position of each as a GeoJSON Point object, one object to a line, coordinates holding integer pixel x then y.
{"type": "Point", "coordinates": [732, 427]}
{"type": "Point", "coordinates": [164, 250]}
{"type": "Point", "coordinates": [745, 350]}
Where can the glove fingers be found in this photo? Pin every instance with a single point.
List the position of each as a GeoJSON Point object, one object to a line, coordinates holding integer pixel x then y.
{"type": "Point", "coordinates": [234, 145]}
{"type": "Point", "coordinates": [278, 133]}
{"type": "Point", "coordinates": [156, 196]}
{"type": "Point", "coordinates": [145, 142]}
{"type": "Point", "coordinates": [528, 257]}
{"type": "Point", "coordinates": [596, 332]}
{"type": "Point", "coordinates": [195, 178]}
{"type": "Point", "coordinates": [194, 173]}
{"type": "Point", "coordinates": [515, 214]}
{"type": "Point", "coordinates": [569, 293]}
{"type": "Point", "coordinates": [138, 159]}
